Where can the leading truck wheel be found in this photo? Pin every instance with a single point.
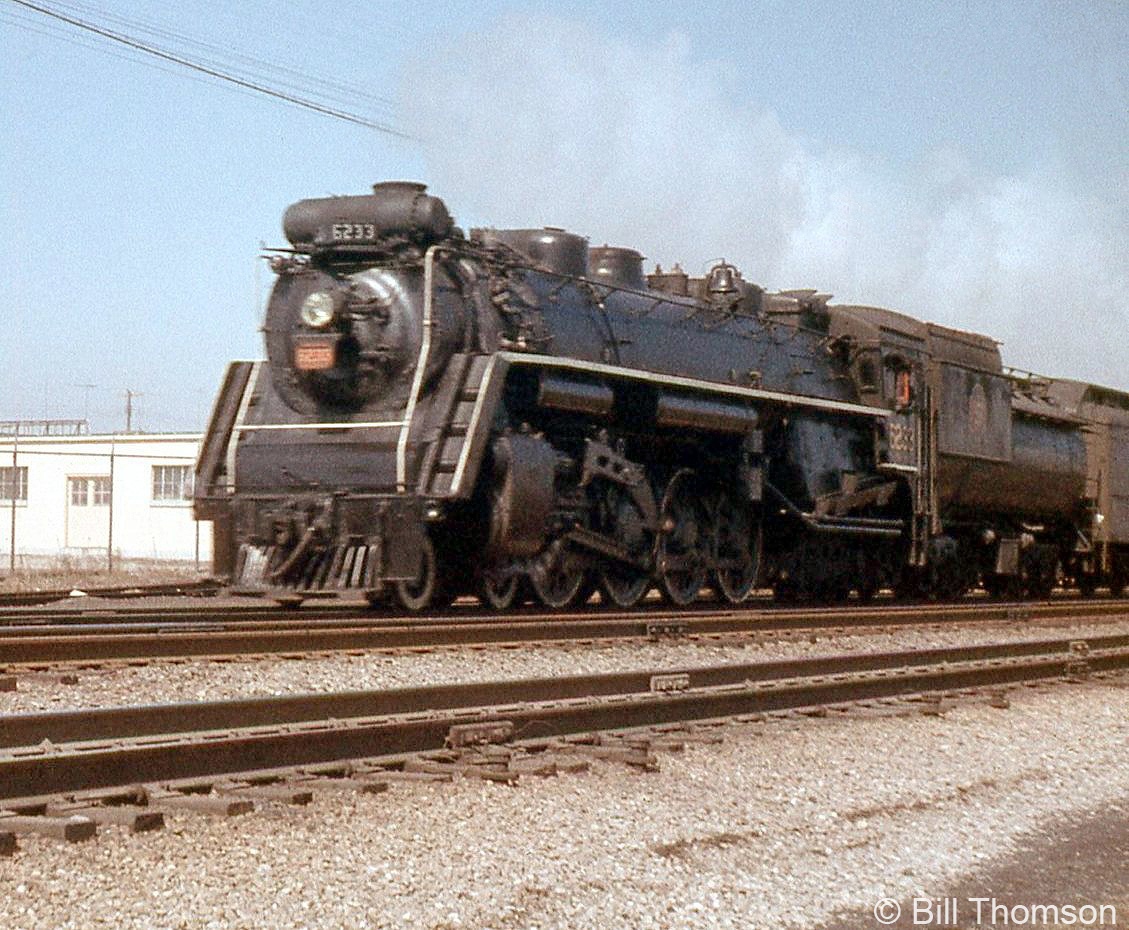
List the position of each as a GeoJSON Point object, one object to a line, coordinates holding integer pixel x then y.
{"type": "Point", "coordinates": [419, 594]}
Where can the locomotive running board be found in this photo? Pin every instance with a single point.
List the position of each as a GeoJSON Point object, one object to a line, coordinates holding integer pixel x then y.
{"type": "Point", "coordinates": [693, 384]}
{"type": "Point", "coordinates": [498, 367]}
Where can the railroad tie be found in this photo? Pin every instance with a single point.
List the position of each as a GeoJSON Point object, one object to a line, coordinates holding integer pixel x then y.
{"type": "Point", "coordinates": [935, 705]}
{"type": "Point", "coordinates": [137, 819]}
{"type": "Point", "coordinates": [636, 758]}
{"type": "Point", "coordinates": [281, 792]}
{"type": "Point", "coordinates": [540, 765]}
{"type": "Point", "coordinates": [73, 829]}
{"type": "Point", "coordinates": [466, 769]}
{"type": "Point", "coordinates": [571, 764]}
{"type": "Point", "coordinates": [643, 742]}
{"type": "Point", "coordinates": [211, 804]}
{"type": "Point", "coordinates": [7, 844]}
{"type": "Point", "coordinates": [398, 775]}
{"type": "Point", "coordinates": [351, 783]}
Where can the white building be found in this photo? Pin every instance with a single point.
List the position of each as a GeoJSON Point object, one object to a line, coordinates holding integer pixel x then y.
{"type": "Point", "coordinates": [88, 495]}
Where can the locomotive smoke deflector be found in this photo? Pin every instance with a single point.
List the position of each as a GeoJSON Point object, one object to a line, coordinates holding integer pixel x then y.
{"type": "Point", "coordinates": [395, 213]}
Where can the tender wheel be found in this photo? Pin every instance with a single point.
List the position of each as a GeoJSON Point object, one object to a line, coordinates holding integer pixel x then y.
{"type": "Point", "coordinates": [1038, 586]}
{"type": "Point", "coordinates": [683, 549]}
{"type": "Point", "coordinates": [498, 591]}
{"type": "Point", "coordinates": [907, 585]}
{"type": "Point", "coordinates": [867, 590]}
{"type": "Point", "coordinates": [738, 548]}
{"type": "Point", "coordinates": [1117, 586]}
{"type": "Point", "coordinates": [422, 593]}
{"type": "Point", "coordinates": [785, 591]}
{"type": "Point", "coordinates": [559, 577]}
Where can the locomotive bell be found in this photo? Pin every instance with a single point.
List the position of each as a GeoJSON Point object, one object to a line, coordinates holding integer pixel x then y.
{"type": "Point", "coordinates": [722, 279]}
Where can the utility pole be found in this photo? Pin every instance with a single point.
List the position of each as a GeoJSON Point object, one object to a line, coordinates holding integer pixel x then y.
{"type": "Point", "coordinates": [110, 515]}
{"type": "Point", "coordinates": [15, 488]}
{"type": "Point", "coordinates": [129, 395]}
{"type": "Point", "coordinates": [87, 388]}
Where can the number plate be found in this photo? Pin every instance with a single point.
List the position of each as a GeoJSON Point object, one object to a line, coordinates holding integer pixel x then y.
{"type": "Point", "coordinates": [353, 232]}
{"type": "Point", "coordinates": [315, 355]}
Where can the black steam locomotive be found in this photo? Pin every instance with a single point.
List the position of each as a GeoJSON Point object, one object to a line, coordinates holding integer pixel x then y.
{"type": "Point", "coordinates": [513, 411]}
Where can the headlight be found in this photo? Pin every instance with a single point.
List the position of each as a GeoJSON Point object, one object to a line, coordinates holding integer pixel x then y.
{"type": "Point", "coordinates": [317, 309]}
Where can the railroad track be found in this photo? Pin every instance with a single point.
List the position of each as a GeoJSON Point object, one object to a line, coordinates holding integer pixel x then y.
{"type": "Point", "coordinates": [180, 636]}
{"type": "Point", "coordinates": [81, 612]}
{"type": "Point", "coordinates": [192, 588]}
{"type": "Point", "coordinates": [63, 773]}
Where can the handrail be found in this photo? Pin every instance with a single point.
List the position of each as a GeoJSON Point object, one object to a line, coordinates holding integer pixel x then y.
{"type": "Point", "coordinates": [417, 379]}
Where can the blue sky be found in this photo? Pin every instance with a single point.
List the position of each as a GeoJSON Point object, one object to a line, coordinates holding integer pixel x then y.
{"type": "Point", "coordinates": [964, 162]}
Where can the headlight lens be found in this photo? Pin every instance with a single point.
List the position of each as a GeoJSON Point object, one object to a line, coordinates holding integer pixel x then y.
{"type": "Point", "coordinates": [317, 309]}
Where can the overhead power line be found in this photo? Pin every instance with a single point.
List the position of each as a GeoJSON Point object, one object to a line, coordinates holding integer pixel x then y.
{"type": "Point", "coordinates": [212, 71]}
{"type": "Point", "coordinates": [245, 66]}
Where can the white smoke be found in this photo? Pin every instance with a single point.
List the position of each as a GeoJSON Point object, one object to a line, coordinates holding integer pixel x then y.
{"type": "Point", "coordinates": [541, 121]}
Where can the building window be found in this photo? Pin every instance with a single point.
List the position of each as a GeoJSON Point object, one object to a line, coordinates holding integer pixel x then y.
{"type": "Point", "coordinates": [10, 489]}
{"type": "Point", "coordinates": [172, 482]}
{"type": "Point", "coordinates": [100, 492]}
{"type": "Point", "coordinates": [89, 491]}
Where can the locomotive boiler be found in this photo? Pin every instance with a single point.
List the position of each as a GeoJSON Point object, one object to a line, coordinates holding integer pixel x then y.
{"type": "Point", "coordinates": [510, 410]}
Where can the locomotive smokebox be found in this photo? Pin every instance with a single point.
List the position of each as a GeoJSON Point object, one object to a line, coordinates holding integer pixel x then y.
{"type": "Point", "coordinates": [622, 267]}
{"type": "Point", "coordinates": [396, 212]}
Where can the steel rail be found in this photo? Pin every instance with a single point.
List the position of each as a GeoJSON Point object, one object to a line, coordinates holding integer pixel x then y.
{"type": "Point", "coordinates": [84, 613]}
{"type": "Point", "coordinates": [71, 751]}
{"type": "Point", "coordinates": [31, 598]}
{"type": "Point", "coordinates": [92, 613]}
{"type": "Point", "coordinates": [175, 638]}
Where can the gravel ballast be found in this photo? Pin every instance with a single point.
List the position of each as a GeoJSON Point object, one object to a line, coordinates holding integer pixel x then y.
{"type": "Point", "coordinates": [784, 825]}
{"type": "Point", "coordinates": [163, 682]}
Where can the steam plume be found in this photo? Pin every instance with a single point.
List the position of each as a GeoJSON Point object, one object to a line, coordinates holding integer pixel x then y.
{"type": "Point", "coordinates": [542, 121]}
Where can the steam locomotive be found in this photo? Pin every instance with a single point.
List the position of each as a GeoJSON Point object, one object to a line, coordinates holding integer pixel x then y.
{"type": "Point", "coordinates": [513, 412]}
